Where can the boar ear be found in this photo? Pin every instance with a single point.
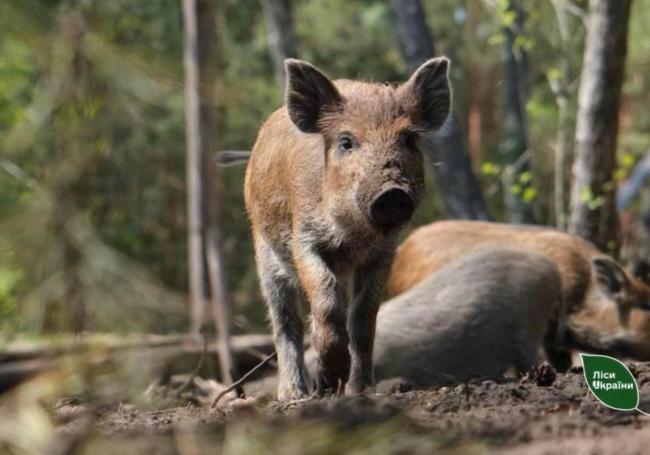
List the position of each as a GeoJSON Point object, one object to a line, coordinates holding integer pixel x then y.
{"type": "Point", "coordinates": [611, 276]}
{"type": "Point", "coordinates": [427, 94]}
{"type": "Point", "coordinates": [308, 93]}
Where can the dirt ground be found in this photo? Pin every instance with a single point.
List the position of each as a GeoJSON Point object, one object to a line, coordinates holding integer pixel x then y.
{"type": "Point", "coordinates": [542, 413]}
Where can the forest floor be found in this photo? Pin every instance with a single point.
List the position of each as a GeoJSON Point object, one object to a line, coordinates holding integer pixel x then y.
{"type": "Point", "coordinates": [546, 413]}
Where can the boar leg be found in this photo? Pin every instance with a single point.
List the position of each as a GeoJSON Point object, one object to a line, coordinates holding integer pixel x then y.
{"type": "Point", "coordinates": [368, 285]}
{"type": "Point", "coordinates": [284, 300]}
{"type": "Point", "coordinates": [557, 355]}
{"type": "Point", "coordinates": [554, 339]}
{"type": "Point", "coordinates": [327, 298]}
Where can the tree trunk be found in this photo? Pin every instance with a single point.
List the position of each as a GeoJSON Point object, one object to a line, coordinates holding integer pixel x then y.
{"type": "Point", "coordinates": [561, 89]}
{"type": "Point", "coordinates": [69, 310]}
{"type": "Point", "coordinates": [561, 152]}
{"type": "Point", "coordinates": [452, 168]}
{"type": "Point", "coordinates": [447, 149]}
{"type": "Point", "coordinates": [218, 296]}
{"type": "Point", "coordinates": [279, 32]}
{"type": "Point", "coordinates": [593, 212]}
{"type": "Point", "coordinates": [513, 146]}
{"type": "Point", "coordinates": [196, 268]}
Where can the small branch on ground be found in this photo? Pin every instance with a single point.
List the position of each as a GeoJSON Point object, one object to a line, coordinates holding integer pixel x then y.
{"type": "Point", "coordinates": [241, 381]}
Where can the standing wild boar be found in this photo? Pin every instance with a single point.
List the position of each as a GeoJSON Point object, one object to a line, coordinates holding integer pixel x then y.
{"type": "Point", "coordinates": [333, 176]}
{"type": "Point", "coordinates": [606, 306]}
{"type": "Point", "coordinates": [477, 316]}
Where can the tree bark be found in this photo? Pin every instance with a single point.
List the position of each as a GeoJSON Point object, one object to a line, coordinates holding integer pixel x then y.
{"type": "Point", "coordinates": [514, 131]}
{"type": "Point", "coordinates": [279, 32]}
{"type": "Point", "coordinates": [561, 89]}
{"type": "Point", "coordinates": [447, 149]}
{"type": "Point", "coordinates": [218, 295]}
{"type": "Point", "coordinates": [562, 144]}
{"type": "Point", "coordinates": [593, 212]}
{"type": "Point", "coordinates": [455, 179]}
{"type": "Point", "coordinates": [196, 268]}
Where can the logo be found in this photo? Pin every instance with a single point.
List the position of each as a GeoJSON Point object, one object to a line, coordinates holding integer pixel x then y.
{"type": "Point", "coordinates": [611, 382]}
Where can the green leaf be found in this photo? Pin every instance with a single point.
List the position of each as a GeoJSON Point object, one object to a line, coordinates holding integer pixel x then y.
{"type": "Point", "coordinates": [620, 174]}
{"type": "Point", "coordinates": [608, 186]}
{"type": "Point", "coordinates": [611, 382]}
{"type": "Point", "coordinates": [627, 160]}
{"type": "Point", "coordinates": [489, 168]}
{"type": "Point", "coordinates": [585, 194]}
{"type": "Point", "coordinates": [554, 74]}
{"type": "Point", "coordinates": [529, 194]}
{"type": "Point", "coordinates": [596, 203]}
{"type": "Point", "coordinates": [496, 39]}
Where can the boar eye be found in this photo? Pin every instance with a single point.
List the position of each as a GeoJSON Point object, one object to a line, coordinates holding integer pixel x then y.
{"type": "Point", "coordinates": [346, 143]}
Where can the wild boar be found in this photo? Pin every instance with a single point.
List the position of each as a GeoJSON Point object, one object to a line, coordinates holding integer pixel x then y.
{"type": "Point", "coordinates": [606, 329]}
{"type": "Point", "coordinates": [332, 178]}
{"type": "Point", "coordinates": [478, 316]}
{"type": "Point", "coordinates": [604, 304]}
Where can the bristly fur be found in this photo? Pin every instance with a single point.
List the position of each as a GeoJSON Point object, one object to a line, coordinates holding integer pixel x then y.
{"type": "Point", "coordinates": [309, 201]}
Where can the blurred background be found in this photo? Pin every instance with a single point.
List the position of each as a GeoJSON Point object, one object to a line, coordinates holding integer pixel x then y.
{"type": "Point", "coordinates": [93, 150]}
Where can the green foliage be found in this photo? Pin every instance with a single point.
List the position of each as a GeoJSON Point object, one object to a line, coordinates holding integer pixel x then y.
{"type": "Point", "coordinates": [489, 168]}
{"type": "Point", "coordinates": [588, 197]}
{"type": "Point", "coordinates": [92, 133]}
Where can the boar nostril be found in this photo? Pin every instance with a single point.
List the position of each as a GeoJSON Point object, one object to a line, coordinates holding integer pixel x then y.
{"type": "Point", "coordinates": [393, 206]}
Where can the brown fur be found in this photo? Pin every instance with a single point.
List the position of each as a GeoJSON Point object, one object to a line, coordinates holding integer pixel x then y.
{"type": "Point", "coordinates": [309, 201]}
{"type": "Point", "coordinates": [596, 320]}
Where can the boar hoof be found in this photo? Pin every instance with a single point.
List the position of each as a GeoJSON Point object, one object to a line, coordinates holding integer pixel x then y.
{"type": "Point", "coordinates": [331, 381]}
{"type": "Point", "coordinates": [329, 384]}
{"type": "Point", "coordinates": [358, 387]}
{"type": "Point", "coordinates": [291, 393]}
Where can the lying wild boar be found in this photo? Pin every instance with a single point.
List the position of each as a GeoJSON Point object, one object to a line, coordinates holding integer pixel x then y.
{"type": "Point", "coordinates": [478, 316]}
{"type": "Point", "coordinates": [605, 304]}
{"type": "Point", "coordinates": [333, 176]}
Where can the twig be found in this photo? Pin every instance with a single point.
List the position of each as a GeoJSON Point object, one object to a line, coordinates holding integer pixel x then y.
{"type": "Point", "coordinates": [241, 380]}
{"type": "Point", "coordinates": [199, 365]}
{"type": "Point", "coordinates": [17, 172]}
{"type": "Point", "coordinates": [521, 161]}
{"type": "Point", "coordinates": [227, 158]}
{"type": "Point", "coordinates": [260, 355]}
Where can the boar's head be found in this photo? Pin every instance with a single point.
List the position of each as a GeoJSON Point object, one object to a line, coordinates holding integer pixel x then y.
{"type": "Point", "coordinates": [373, 171]}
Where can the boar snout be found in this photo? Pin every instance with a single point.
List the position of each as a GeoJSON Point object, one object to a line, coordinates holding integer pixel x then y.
{"type": "Point", "coordinates": [392, 207]}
